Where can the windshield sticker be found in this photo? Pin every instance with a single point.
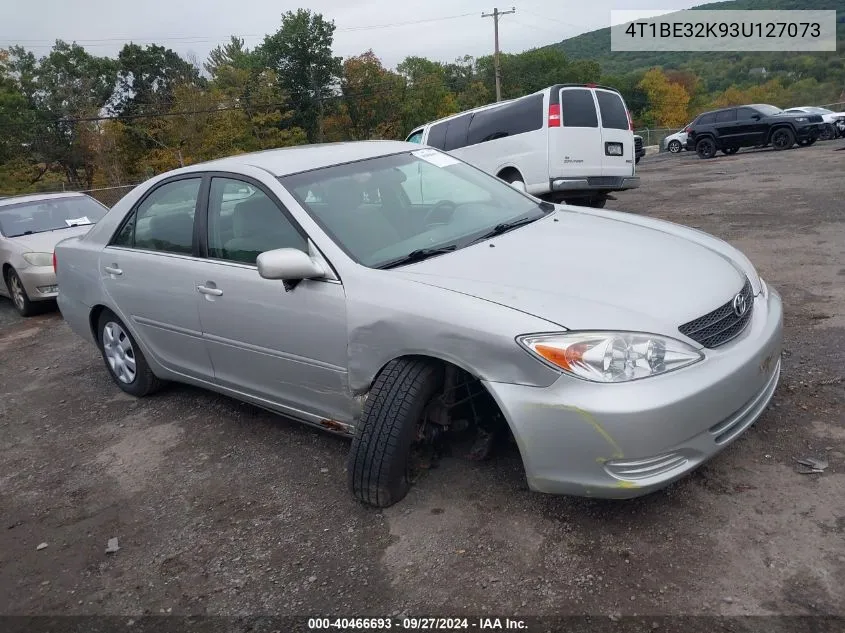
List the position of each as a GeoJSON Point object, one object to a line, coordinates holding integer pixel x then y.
{"type": "Point", "coordinates": [78, 221]}
{"type": "Point", "coordinates": [438, 159]}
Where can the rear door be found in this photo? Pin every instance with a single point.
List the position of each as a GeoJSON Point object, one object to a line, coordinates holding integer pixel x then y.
{"type": "Point", "coordinates": [575, 144]}
{"type": "Point", "coordinates": [616, 135]}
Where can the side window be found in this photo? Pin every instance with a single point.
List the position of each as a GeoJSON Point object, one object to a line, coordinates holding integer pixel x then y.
{"type": "Point", "coordinates": [613, 112]}
{"type": "Point", "coordinates": [578, 108]}
{"type": "Point", "coordinates": [707, 119]}
{"type": "Point", "coordinates": [243, 222]}
{"type": "Point", "coordinates": [437, 136]}
{"type": "Point", "coordinates": [127, 234]}
{"type": "Point", "coordinates": [415, 137]}
{"type": "Point", "coordinates": [456, 132]}
{"type": "Point", "coordinates": [746, 113]}
{"type": "Point", "coordinates": [726, 116]}
{"type": "Point", "coordinates": [164, 221]}
{"type": "Point", "coordinates": [518, 117]}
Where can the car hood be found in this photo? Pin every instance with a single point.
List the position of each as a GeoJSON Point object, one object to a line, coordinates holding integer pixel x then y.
{"type": "Point", "coordinates": [45, 242]}
{"type": "Point", "coordinates": [590, 270]}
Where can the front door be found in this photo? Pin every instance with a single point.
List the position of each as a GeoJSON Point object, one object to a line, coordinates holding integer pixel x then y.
{"type": "Point", "coordinates": [148, 271]}
{"type": "Point", "coordinates": [749, 128]}
{"type": "Point", "coordinates": [288, 348]}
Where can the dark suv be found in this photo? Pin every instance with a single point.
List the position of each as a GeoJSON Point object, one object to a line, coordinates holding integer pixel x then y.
{"type": "Point", "coordinates": [750, 126]}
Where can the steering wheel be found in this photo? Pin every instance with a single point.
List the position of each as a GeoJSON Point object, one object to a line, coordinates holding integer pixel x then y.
{"type": "Point", "coordinates": [440, 213]}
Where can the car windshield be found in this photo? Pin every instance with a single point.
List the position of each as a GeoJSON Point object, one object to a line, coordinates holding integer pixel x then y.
{"type": "Point", "coordinates": [39, 216]}
{"type": "Point", "coordinates": [382, 210]}
{"type": "Point", "coordinates": [767, 110]}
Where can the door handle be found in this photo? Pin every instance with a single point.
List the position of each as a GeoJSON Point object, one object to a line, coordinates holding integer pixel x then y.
{"type": "Point", "coordinates": [205, 290]}
{"type": "Point", "coordinates": [113, 270]}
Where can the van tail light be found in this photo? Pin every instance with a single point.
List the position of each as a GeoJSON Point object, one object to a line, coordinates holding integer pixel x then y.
{"type": "Point", "coordinates": [630, 121]}
{"type": "Point", "coordinates": [554, 115]}
{"type": "Point", "coordinates": [54, 261]}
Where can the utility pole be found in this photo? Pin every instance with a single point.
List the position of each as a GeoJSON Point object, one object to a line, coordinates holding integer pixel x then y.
{"type": "Point", "coordinates": [498, 72]}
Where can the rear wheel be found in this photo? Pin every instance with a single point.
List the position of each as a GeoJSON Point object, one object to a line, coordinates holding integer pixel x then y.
{"type": "Point", "coordinates": [674, 146]}
{"type": "Point", "coordinates": [783, 138]}
{"type": "Point", "coordinates": [597, 202]}
{"type": "Point", "coordinates": [513, 178]}
{"type": "Point", "coordinates": [18, 294]}
{"type": "Point", "coordinates": [380, 469]}
{"type": "Point", "coordinates": [123, 357]}
{"type": "Point", "coordinates": [705, 148]}
{"type": "Point", "coordinates": [827, 133]}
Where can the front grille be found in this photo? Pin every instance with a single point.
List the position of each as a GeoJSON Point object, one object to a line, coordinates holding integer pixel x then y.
{"type": "Point", "coordinates": [720, 326]}
{"type": "Point", "coordinates": [638, 142]}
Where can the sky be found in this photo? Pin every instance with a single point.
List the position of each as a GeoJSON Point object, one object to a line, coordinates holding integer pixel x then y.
{"type": "Point", "coordinates": [438, 29]}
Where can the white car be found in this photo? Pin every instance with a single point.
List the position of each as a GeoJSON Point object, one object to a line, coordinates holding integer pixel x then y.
{"type": "Point", "coordinates": [569, 143]}
{"type": "Point", "coordinates": [676, 142]}
{"type": "Point", "coordinates": [832, 121]}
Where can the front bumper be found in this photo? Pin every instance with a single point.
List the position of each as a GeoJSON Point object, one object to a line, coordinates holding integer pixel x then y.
{"type": "Point", "coordinates": [39, 282]}
{"type": "Point", "coordinates": [628, 439]}
{"type": "Point", "coordinates": [807, 132]}
{"type": "Point", "coordinates": [592, 183]}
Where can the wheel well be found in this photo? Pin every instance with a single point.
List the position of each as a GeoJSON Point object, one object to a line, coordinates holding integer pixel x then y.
{"type": "Point", "coordinates": [510, 172]}
{"type": "Point", "coordinates": [94, 319]}
{"type": "Point", "coordinates": [6, 268]}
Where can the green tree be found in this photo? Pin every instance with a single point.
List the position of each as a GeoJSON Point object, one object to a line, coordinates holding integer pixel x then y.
{"type": "Point", "coordinates": [427, 97]}
{"type": "Point", "coordinates": [146, 76]}
{"type": "Point", "coordinates": [300, 53]}
{"type": "Point", "coordinates": [372, 96]}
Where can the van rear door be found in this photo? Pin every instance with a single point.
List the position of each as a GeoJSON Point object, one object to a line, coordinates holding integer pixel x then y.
{"type": "Point", "coordinates": [617, 139]}
{"type": "Point", "coordinates": [575, 144]}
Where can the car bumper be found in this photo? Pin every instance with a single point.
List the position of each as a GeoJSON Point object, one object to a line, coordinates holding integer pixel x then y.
{"type": "Point", "coordinates": [807, 132]}
{"type": "Point", "coordinates": [608, 183]}
{"type": "Point", "coordinates": [628, 439]}
{"type": "Point", "coordinates": [39, 282]}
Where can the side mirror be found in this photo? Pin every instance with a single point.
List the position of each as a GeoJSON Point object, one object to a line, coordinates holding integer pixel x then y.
{"type": "Point", "coordinates": [288, 264]}
{"type": "Point", "coordinates": [756, 117]}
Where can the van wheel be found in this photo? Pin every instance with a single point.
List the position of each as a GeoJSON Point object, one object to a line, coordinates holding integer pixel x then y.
{"type": "Point", "coordinates": [596, 203]}
{"type": "Point", "coordinates": [705, 148]}
{"type": "Point", "coordinates": [513, 178]}
{"type": "Point", "coordinates": [782, 138]}
{"type": "Point", "coordinates": [380, 469]}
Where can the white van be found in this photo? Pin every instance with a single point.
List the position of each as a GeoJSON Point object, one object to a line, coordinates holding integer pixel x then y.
{"type": "Point", "coordinates": [566, 143]}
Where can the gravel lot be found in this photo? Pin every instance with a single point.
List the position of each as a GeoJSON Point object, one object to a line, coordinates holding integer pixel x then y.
{"type": "Point", "coordinates": [221, 508]}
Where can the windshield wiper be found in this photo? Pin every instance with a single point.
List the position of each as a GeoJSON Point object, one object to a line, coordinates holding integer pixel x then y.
{"type": "Point", "coordinates": [417, 256]}
{"type": "Point", "coordinates": [504, 227]}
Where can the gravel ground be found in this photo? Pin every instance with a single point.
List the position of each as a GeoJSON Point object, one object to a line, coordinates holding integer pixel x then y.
{"type": "Point", "coordinates": [221, 508]}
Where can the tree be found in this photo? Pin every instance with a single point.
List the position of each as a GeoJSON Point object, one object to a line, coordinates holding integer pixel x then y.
{"type": "Point", "coordinates": [300, 53]}
{"type": "Point", "coordinates": [372, 96]}
{"type": "Point", "coordinates": [146, 76]}
{"type": "Point", "coordinates": [231, 55]}
{"type": "Point", "coordinates": [427, 96]}
{"type": "Point", "coordinates": [667, 101]}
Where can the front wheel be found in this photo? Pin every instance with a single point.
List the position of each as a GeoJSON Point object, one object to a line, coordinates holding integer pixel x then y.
{"type": "Point", "coordinates": [380, 469]}
{"type": "Point", "coordinates": [18, 294]}
{"type": "Point", "coordinates": [705, 148]}
{"type": "Point", "coordinates": [123, 357]}
{"type": "Point", "coordinates": [674, 146]}
{"type": "Point", "coordinates": [783, 138]}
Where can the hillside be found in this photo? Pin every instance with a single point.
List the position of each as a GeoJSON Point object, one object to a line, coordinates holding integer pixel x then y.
{"type": "Point", "coordinates": [595, 45]}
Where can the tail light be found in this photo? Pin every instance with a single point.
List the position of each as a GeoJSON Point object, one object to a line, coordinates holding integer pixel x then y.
{"type": "Point", "coordinates": [630, 121]}
{"type": "Point", "coordinates": [687, 129]}
{"type": "Point", "coordinates": [54, 261]}
{"type": "Point", "coordinates": [554, 115]}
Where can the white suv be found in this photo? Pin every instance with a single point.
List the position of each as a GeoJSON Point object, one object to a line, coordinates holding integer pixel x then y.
{"type": "Point", "coordinates": [567, 143]}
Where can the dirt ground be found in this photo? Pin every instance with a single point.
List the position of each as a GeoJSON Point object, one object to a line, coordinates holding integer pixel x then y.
{"type": "Point", "coordinates": [221, 508]}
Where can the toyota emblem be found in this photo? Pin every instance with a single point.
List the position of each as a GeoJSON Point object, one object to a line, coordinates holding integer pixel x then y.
{"type": "Point", "coordinates": [740, 305]}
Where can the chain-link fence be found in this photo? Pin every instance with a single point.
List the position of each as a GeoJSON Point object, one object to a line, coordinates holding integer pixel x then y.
{"type": "Point", "coordinates": [655, 136]}
{"type": "Point", "coordinates": [109, 195]}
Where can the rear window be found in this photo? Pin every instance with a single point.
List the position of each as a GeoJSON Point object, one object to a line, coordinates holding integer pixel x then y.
{"type": "Point", "coordinates": [726, 116]}
{"type": "Point", "coordinates": [706, 119]}
{"type": "Point", "coordinates": [521, 116]}
{"type": "Point", "coordinates": [578, 108]}
{"type": "Point", "coordinates": [613, 113]}
{"type": "Point", "coordinates": [437, 136]}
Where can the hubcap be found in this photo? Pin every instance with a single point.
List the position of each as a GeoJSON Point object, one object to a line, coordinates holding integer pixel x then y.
{"type": "Point", "coordinates": [119, 353]}
{"type": "Point", "coordinates": [675, 147]}
{"type": "Point", "coordinates": [17, 291]}
{"type": "Point", "coordinates": [780, 139]}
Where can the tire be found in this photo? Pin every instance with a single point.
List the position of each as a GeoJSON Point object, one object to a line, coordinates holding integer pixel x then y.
{"type": "Point", "coordinates": [730, 151]}
{"type": "Point", "coordinates": [828, 133]}
{"type": "Point", "coordinates": [378, 469]}
{"type": "Point", "coordinates": [807, 142]}
{"type": "Point", "coordinates": [596, 203]}
{"type": "Point", "coordinates": [514, 178]}
{"type": "Point", "coordinates": [120, 351]}
{"type": "Point", "coordinates": [705, 147]}
{"type": "Point", "coordinates": [674, 147]}
{"type": "Point", "coordinates": [17, 293]}
{"type": "Point", "coordinates": [782, 138]}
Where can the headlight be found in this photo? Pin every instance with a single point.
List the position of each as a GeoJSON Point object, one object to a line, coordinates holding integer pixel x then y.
{"type": "Point", "coordinates": [801, 119]}
{"type": "Point", "coordinates": [39, 259]}
{"type": "Point", "coordinates": [611, 356]}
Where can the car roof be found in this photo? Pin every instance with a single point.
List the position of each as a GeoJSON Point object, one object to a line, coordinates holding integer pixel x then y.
{"type": "Point", "coordinates": [291, 160]}
{"type": "Point", "coordinates": [38, 197]}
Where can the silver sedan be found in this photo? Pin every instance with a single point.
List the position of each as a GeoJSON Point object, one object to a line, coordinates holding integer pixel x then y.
{"type": "Point", "coordinates": [30, 226]}
{"type": "Point", "coordinates": [400, 296]}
